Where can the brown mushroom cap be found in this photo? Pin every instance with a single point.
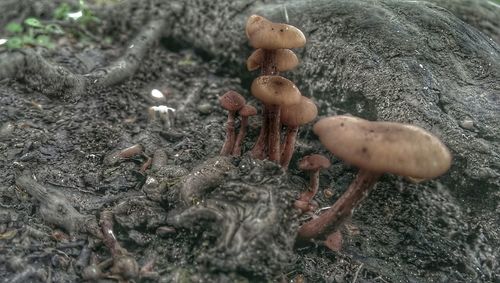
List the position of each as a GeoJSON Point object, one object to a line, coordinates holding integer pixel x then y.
{"type": "Point", "coordinates": [285, 60]}
{"type": "Point", "coordinates": [314, 162]}
{"type": "Point", "coordinates": [232, 101]}
{"type": "Point", "coordinates": [275, 90]}
{"type": "Point", "coordinates": [247, 110]}
{"type": "Point", "coordinates": [384, 146]}
{"type": "Point", "coordinates": [300, 113]}
{"type": "Point", "coordinates": [265, 34]}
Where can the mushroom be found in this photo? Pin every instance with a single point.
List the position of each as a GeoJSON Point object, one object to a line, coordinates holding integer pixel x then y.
{"type": "Point", "coordinates": [265, 34]}
{"type": "Point", "coordinates": [376, 148]}
{"type": "Point", "coordinates": [312, 164]}
{"type": "Point", "coordinates": [294, 116]}
{"type": "Point", "coordinates": [232, 102]}
{"type": "Point", "coordinates": [245, 112]}
{"type": "Point", "coordinates": [285, 60]}
{"type": "Point", "coordinates": [269, 37]}
{"type": "Point", "coordinates": [274, 91]}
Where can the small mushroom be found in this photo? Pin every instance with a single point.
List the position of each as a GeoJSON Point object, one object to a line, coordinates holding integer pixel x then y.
{"type": "Point", "coordinates": [312, 164]}
{"type": "Point", "coordinates": [376, 148]}
{"type": "Point", "coordinates": [294, 116]}
{"type": "Point", "coordinates": [265, 34]}
{"type": "Point", "coordinates": [274, 91]}
{"type": "Point", "coordinates": [285, 60]}
{"type": "Point", "coordinates": [232, 102]}
{"type": "Point", "coordinates": [245, 112]}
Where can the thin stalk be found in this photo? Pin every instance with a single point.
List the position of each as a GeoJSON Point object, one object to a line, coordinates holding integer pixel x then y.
{"type": "Point", "coordinates": [334, 217]}
{"type": "Point", "coordinates": [274, 142]}
{"type": "Point", "coordinates": [288, 146]}
{"type": "Point", "coordinates": [268, 68]}
{"type": "Point", "coordinates": [227, 148]}
{"type": "Point", "coordinates": [241, 136]}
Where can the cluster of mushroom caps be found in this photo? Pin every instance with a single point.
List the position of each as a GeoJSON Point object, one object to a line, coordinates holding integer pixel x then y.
{"type": "Point", "coordinates": [374, 147]}
{"type": "Point", "coordinates": [283, 104]}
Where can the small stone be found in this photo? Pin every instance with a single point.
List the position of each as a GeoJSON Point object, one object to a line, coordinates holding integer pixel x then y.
{"type": "Point", "coordinates": [204, 108]}
{"type": "Point", "coordinates": [139, 238]}
{"type": "Point", "coordinates": [328, 193]}
{"type": "Point", "coordinates": [467, 124]}
{"type": "Point", "coordinates": [6, 130]}
{"type": "Point", "coordinates": [164, 231]}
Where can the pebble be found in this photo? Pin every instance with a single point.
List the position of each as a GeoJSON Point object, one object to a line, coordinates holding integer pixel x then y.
{"type": "Point", "coordinates": [204, 108]}
{"type": "Point", "coordinates": [328, 193]}
{"type": "Point", "coordinates": [467, 124]}
{"type": "Point", "coordinates": [6, 130]}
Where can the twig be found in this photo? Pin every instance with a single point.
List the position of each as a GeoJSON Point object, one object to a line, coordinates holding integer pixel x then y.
{"type": "Point", "coordinates": [70, 187]}
{"type": "Point", "coordinates": [357, 273]}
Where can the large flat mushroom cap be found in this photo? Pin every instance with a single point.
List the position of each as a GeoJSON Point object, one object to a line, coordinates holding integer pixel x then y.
{"type": "Point", "coordinates": [265, 34]}
{"type": "Point", "coordinates": [395, 148]}
{"type": "Point", "coordinates": [275, 90]}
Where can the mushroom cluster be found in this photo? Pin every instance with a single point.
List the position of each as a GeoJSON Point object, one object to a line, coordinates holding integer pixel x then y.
{"type": "Point", "coordinates": [234, 103]}
{"type": "Point", "coordinates": [374, 147]}
{"type": "Point", "coordinates": [283, 104]}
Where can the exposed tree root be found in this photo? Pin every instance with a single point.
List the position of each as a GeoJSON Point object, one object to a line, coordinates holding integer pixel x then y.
{"type": "Point", "coordinates": [40, 74]}
{"type": "Point", "coordinates": [56, 209]}
{"type": "Point", "coordinates": [127, 65]}
{"type": "Point", "coordinates": [56, 81]}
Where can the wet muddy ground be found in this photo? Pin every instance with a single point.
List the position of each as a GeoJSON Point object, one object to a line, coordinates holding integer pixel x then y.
{"type": "Point", "coordinates": [178, 211]}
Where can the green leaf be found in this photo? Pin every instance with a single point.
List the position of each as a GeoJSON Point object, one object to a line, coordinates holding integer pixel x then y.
{"type": "Point", "coordinates": [54, 29]}
{"type": "Point", "coordinates": [108, 40]}
{"type": "Point", "coordinates": [44, 40]}
{"type": "Point", "coordinates": [33, 22]}
{"type": "Point", "coordinates": [14, 43]}
{"type": "Point", "coordinates": [28, 40]}
{"type": "Point", "coordinates": [13, 27]}
{"type": "Point", "coordinates": [61, 12]}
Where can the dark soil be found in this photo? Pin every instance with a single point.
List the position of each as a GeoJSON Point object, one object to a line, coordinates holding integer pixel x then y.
{"type": "Point", "coordinates": [193, 216]}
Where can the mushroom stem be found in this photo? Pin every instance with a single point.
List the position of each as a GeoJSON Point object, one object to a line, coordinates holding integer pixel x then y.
{"type": "Point", "coordinates": [304, 201]}
{"type": "Point", "coordinates": [241, 135]}
{"type": "Point", "coordinates": [329, 222]}
{"type": "Point", "coordinates": [230, 134]}
{"type": "Point", "coordinates": [259, 149]}
{"type": "Point", "coordinates": [269, 65]}
{"type": "Point", "coordinates": [288, 146]}
{"type": "Point", "coordinates": [274, 142]}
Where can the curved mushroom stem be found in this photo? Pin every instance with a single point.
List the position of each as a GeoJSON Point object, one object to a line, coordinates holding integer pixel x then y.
{"type": "Point", "coordinates": [230, 135]}
{"type": "Point", "coordinates": [241, 135]}
{"type": "Point", "coordinates": [329, 222]}
{"type": "Point", "coordinates": [288, 146]}
{"type": "Point", "coordinates": [304, 201]}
